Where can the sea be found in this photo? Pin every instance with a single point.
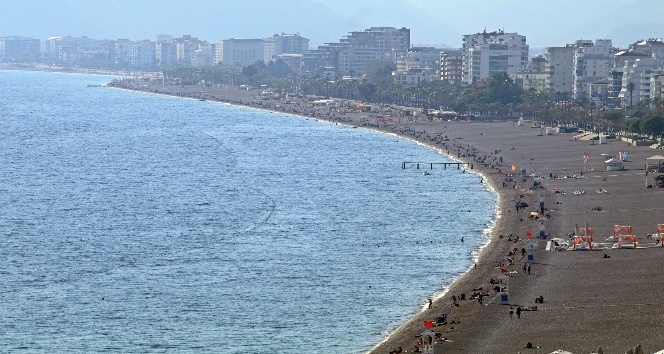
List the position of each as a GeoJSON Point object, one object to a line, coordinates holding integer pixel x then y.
{"type": "Point", "coordinates": [133, 222]}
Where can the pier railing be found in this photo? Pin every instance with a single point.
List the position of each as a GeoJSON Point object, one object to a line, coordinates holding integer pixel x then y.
{"type": "Point", "coordinates": [430, 164]}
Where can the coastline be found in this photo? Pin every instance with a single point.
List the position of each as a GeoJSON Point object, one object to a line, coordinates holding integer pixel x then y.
{"type": "Point", "coordinates": [573, 283]}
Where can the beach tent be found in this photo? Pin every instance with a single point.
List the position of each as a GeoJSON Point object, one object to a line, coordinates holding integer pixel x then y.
{"type": "Point", "coordinates": [613, 164]}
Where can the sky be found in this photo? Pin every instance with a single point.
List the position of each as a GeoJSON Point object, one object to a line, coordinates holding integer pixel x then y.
{"type": "Point", "coordinates": [432, 22]}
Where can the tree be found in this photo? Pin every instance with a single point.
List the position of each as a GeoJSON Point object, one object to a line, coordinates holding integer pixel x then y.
{"type": "Point", "coordinates": [630, 88]}
{"type": "Point", "coordinates": [652, 125]}
{"type": "Point", "coordinates": [250, 71]}
{"type": "Point", "coordinates": [279, 69]}
{"type": "Point", "coordinates": [380, 73]}
{"type": "Point", "coordinates": [634, 126]}
{"type": "Point", "coordinates": [367, 91]}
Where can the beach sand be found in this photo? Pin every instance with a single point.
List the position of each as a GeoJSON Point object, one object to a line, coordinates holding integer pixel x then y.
{"type": "Point", "coordinates": [590, 301]}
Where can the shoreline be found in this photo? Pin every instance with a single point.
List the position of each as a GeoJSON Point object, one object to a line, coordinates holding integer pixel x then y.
{"type": "Point", "coordinates": [353, 123]}
{"type": "Point", "coordinates": [573, 283]}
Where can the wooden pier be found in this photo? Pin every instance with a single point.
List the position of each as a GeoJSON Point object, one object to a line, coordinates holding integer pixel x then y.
{"type": "Point", "coordinates": [430, 164]}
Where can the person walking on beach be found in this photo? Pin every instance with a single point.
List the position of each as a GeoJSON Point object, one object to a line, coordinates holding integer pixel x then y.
{"type": "Point", "coordinates": [528, 268]}
{"type": "Point", "coordinates": [518, 312]}
{"type": "Point", "coordinates": [511, 312]}
{"type": "Point", "coordinates": [430, 303]}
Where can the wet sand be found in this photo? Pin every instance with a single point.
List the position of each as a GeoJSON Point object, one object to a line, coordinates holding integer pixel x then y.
{"type": "Point", "coordinates": [589, 301]}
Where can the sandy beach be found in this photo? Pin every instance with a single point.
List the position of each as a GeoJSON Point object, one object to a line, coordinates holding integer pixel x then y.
{"type": "Point", "coordinates": [608, 298]}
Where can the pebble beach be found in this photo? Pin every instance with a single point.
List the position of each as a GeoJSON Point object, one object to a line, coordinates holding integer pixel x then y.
{"type": "Point", "coordinates": [604, 299]}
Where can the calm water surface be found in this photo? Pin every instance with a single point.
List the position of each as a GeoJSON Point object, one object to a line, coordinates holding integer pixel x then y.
{"type": "Point", "coordinates": [133, 222]}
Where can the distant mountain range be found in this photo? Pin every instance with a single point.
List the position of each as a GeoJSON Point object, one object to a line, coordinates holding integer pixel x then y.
{"type": "Point", "coordinates": [432, 22]}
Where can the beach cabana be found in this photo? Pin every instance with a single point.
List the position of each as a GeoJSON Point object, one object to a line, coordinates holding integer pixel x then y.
{"type": "Point", "coordinates": [655, 163]}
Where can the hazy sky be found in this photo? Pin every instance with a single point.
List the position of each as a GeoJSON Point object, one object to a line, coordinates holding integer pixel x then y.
{"type": "Point", "coordinates": [433, 22]}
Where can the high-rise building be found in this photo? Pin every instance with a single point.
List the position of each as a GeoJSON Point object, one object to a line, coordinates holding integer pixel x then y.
{"type": "Point", "coordinates": [417, 65]}
{"type": "Point", "coordinates": [419, 58]}
{"type": "Point", "coordinates": [636, 79]}
{"type": "Point", "coordinates": [372, 46]}
{"type": "Point", "coordinates": [592, 62]}
{"type": "Point", "coordinates": [19, 49]}
{"type": "Point", "coordinates": [76, 51]}
{"type": "Point", "coordinates": [560, 69]}
{"type": "Point", "coordinates": [631, 70]}
{"type": "Point", "coordinates": [489, 53]}
{"type": "Point", "coordinates": [284, 44]}
{"type": "Point", "coordinates": [165, 53]}
{"type": "Point", "coordinates": [187, 47]}
{"type": "Point", "coordinates": [451, 66]}
{"type": "Point", "coordinates": [622, 60]}
{"type": "Point", "coordinates": [358, 51]}
{"type": "Point", "coordinates": [239, 52]}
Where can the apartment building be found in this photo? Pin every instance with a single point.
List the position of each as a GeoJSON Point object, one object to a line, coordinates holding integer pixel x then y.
{"type": "Point", "coordinates": [417, 65]}
{"type": "Point", "coordinates": [656, 84]}
{"type": "Point", "coordinates": [419, 58]}
{"type": "Point", "coordinates": [451, 66]}
{"type": "Point", "coordinates": [192, 51]}
{"type": "Point", "coordinates": [358, 51]}
{"type": "Point", "coordinates": [75, 50]}
{"type": "Point", "coordinates": [560, 68]}
{"type": "Point", "coordinates": [489, 53]}
{"type": "Point", "coordinates": [592, 62]}
{"type": "Point", "coordinates": [165, 53]}
{"type": "Point", "coordinates": [534, 78]}
{"type": "Point", "coordinates": [284, 44]}
{"type": "Point", "coordinates": [239, 52]}
{"type": "Point", "coordinates": [622, 60]}
{"type": "Point", "coordinates": [19, 49]}
{"type": "Point", "coordinates": [372, 46]}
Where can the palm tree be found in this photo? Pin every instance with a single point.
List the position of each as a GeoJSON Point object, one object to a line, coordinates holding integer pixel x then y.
{"type": "Point", "coordinates": [630, 88]}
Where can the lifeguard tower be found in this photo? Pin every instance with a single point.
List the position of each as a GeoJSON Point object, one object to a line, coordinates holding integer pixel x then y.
{"type": "Point", "coordinates": [428, 340]}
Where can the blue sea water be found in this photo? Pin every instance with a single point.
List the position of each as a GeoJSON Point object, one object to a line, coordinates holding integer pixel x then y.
{"type": "Point", "coordinates": [133, 222]}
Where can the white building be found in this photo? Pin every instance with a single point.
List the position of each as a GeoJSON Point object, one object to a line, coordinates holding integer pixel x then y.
{"type": "Point", "coordinates": [186, 49]}
{"type": "Point", "coordinates": [489, 53]}
{"type": "Point", "coordinates": [415, 76]}
{"type": "Point", "coordinates": [419, 58]}
{"type": "Point", "coordinates": [592, 62]}
{"type": "Point", "coordinates": [637, 74]}
{"type": "Point", "coordinates": [284, 43]}
{"type": "Point", "coordinates": [239, 52]}
{"type": "Point", "coordinates": [451, 66]}
{"type": "Point", "coordinates": [143, 54]}
{"type": "Point", "coordinates": [656, 84]}
{"type": "Point", "coordinates": [560, 68]}
{"type": "Point", "coordinates": [361, 50]}
{"type": "Point", "coordinates": [165, 53]}
{"type": "Point", "coordinates": [418, 65]}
